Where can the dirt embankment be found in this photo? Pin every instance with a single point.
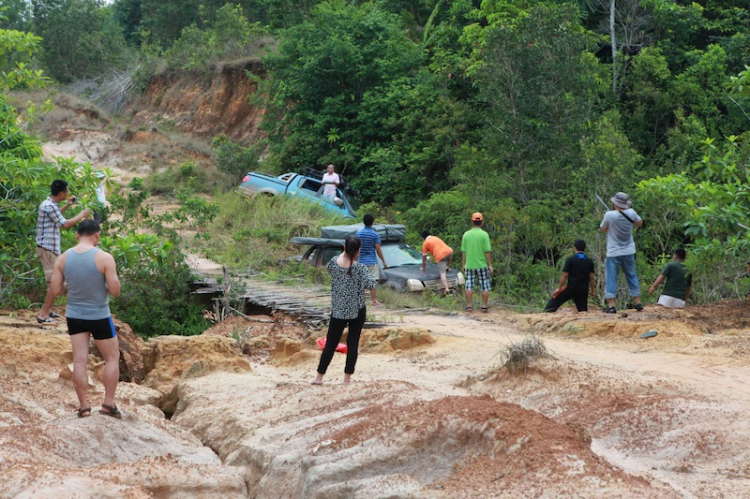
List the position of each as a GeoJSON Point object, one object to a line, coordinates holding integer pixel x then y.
{"type": "Point", "coordinates": [205, 104]}
{"type": "Point", "coordinates": [173, 122]}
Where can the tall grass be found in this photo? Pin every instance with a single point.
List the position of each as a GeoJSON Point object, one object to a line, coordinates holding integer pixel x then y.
{"type": "Point", "coordinates": [188, 177]}
{"type": "Point", "coordinates": [254, 233]}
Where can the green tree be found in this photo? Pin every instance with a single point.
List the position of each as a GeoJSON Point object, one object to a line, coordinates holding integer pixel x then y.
{"type": "Point", "coordinates": [20, 168]}
{"type": "Point", "coordinates": [15, 15]}
{"type": "Point", "coordinates": [163, 20]}
{"type": "Point", "coordinates": [707, 205]}
{"type": "Point", "coordinates": [278, 14]}
{"type": "Point", "coordinates": [334, 83]}
{"type": "Point", "coordinates": [646, 107]}
{"type": "Point", "coordinates": [128, 14]}
{"type": "Point", "coordinates": [538, 89]}
{"type": "Point", "coordinates": [79, 38]}
{"type": "Point", "coordinates": [226, 35]}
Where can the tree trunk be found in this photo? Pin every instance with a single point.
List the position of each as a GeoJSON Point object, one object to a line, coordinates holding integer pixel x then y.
{"type": "Point", "coordinates": [613, 43]}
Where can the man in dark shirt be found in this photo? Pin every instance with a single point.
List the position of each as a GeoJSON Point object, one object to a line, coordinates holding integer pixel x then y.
{"type": "Point", "coordinates": [679, 279]}
{"type": "Point", "coordinates": [578, 274]}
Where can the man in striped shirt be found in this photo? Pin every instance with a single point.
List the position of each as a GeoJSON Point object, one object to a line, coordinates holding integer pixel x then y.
{"type": "Point", "coordinates": [370, 251]}
{"type": "Point", "coordinates": [50, 219]}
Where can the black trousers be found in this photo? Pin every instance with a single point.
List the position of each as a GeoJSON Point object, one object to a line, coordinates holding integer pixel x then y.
{"type": "Point", "coordinates": [335, 330]}
{"type": "Point", "coordinates": [580, 297]}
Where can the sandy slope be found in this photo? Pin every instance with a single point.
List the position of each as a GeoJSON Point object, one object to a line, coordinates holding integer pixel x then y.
{"type": "Point", "coordinates": [611, 415]}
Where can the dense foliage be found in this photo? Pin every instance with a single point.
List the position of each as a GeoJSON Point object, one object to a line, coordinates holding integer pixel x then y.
{"type": "Point", "coordinates": [523, 110]}
{"type": "Point", "coordinates": [153, 271]}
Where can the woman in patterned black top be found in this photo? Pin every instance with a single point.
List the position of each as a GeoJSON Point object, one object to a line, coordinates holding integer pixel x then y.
{"type": "Point", "coordinates": [349, 279]}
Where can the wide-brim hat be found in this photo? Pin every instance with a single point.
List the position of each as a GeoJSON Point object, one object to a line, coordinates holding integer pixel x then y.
{"type": "Point", "coordinates": [621, 201]}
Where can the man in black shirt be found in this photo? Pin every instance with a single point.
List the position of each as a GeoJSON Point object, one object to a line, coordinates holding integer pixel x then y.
{"type": "Point", "coordinates": [578, 274]}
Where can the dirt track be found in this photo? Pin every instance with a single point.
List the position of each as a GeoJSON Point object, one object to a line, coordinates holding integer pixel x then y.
{"type": "Point", "coordinates": [670, 409]}
{"type": "Point", "coordinates": [673, 407]}
{"type": "Point", "coordinates": [611, 415]}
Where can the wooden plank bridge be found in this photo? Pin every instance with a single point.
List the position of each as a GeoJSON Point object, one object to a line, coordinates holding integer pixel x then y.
{"type": "Point", "coordinates": [249, 294]}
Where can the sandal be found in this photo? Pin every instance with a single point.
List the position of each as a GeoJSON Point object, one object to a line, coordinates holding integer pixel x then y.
{"type": "Point", "coordinates": [53, 315]}
{"type": "Point", "coordinates": [84, 413]}
{"type": "Point", "coordinates": [48, 320]}
{"type": "Point", "coordinates": [485, 309]}
{"type": "Point", "coordinates": [468, 309]}
{"type": "Point", "coordinates": [112, 411]}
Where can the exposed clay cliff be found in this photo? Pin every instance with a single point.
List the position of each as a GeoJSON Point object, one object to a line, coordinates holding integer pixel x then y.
{"type": "Point", "coordinates": [205, 104]}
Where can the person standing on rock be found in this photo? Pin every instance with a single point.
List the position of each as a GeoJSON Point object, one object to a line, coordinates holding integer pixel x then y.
{"type": "Point", "coordinates": [90, 275]}
{"type": "Point", "coordinates": [618, 224]}
{"type": "Point", "coordinates": [679, 279]}
{"type": "Point", "coordinates": [349, 279]}
{"type": "Point", "coordinates": [49, 220]}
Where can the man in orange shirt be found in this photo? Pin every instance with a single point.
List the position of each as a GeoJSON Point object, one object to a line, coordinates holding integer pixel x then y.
{"type": "Point", "coordinates": [441, 252]}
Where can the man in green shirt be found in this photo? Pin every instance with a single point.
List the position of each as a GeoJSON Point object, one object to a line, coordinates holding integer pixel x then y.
{"type": "Point", "coordinates": [477, 262]}
{"type": "Point", "coordinates": [679, 279]}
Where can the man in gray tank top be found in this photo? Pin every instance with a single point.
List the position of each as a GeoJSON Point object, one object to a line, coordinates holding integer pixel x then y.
{"type": "Point", "coordinates": [90, 275]}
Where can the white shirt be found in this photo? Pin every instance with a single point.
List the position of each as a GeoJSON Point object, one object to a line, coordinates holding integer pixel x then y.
{"type": "Point", "coordinates": [100, 195]}
{"type": "Point", "coordinates": [620, 232]}
{"type": "Point", "coordinates": [330, 181]}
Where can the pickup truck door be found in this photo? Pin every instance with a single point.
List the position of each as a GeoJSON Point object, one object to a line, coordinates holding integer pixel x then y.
{"type": "Point", "coordinates": [325, 253]}
{"type": "Point", "coordinates": [310, 187]}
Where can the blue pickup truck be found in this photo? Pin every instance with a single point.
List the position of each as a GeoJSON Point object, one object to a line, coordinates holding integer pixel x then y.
{"type": "Point", "coordinates": [308, 186]}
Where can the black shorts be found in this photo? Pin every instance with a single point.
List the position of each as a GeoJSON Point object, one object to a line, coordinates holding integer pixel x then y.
{"type": "Point", "coordinates": [101, 329]}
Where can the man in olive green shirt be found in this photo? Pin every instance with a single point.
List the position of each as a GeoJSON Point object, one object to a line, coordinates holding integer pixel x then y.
{"type": "Point", "coordinates": [477, 262]}
{"type": "Point", "coordinates": [679, 279]}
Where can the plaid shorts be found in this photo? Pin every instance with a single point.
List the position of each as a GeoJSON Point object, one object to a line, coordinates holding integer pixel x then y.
{"type": "Point", "coordinates": [482, 276]}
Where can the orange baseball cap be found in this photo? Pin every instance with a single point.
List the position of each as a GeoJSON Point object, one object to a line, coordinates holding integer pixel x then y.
{"type": "Point", "coordinates": [477, 217]}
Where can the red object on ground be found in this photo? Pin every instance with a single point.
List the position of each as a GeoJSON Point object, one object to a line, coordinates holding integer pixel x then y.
{"type": "Point", "coordinates": [340, 348]}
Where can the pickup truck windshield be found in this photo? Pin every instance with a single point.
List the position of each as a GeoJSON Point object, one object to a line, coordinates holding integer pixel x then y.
{"type": "Point", "coordinates": [398, 254]}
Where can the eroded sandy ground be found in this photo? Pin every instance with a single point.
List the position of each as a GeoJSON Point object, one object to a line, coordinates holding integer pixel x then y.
{"type": "Point", "coordinates": [430, 413]}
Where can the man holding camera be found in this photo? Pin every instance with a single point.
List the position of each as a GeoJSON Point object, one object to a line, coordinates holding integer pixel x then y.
{"type": "Point", "coordinates": [50, 219]}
